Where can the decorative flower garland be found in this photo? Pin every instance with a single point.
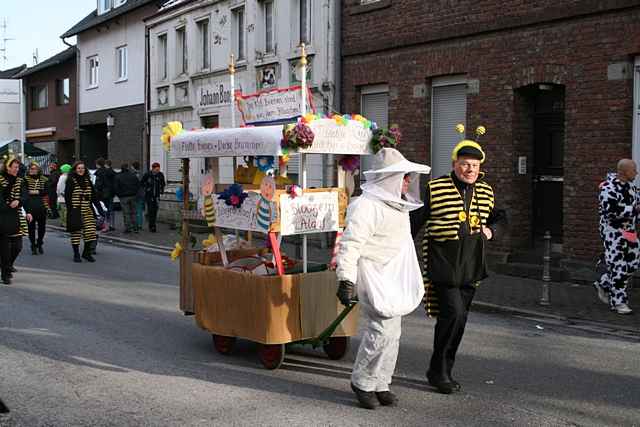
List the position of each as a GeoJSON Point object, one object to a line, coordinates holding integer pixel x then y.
{"type": "Point", "coordinates": [386, 138]}
{"type": "Point", "coordinates": [233, 196]}
{"type": "Point", "coordinates": [297, 136]}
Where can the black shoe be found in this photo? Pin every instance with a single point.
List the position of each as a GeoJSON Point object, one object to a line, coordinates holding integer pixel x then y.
{"type": "Point", "coordinates": [386, 398]}
{"type": "Point", "coordinates": [444, 386]}
{"type": "Point", "coordinates": [366, 399]}
{"type": "Point", "coordinates": [34, 250]}
{"type": "Point", "coordinates": [153, 229]}
{"type": "Point", "coordinates": [6, 278]}
{"type": "Point", "coordinates": [76, 253]}
{"type": "Point", "coordinates": [86, 253]}
{"type": "Point", "coordinates": [12, 270]}
{"type": "Point", "coordinates": [40, 250]}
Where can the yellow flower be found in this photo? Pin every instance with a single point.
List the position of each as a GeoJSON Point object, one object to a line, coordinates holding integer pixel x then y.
{"type": "Point", "coordinates": [462, 216]}
{"type": "Point", "coordinates": [481, 130]}
{"type": "Point", "coordinates": [210, 241]}
{"type": "Point", "coordinates": [176, 252]}
{"type": "Point", "coordinates": [309, 117]}
{"type": "Point", "coordinates": [460, 128]}
{"type": "Point", "coordinates": [169, 131]}
{"type": "Point", "coordinates": [359, 118]}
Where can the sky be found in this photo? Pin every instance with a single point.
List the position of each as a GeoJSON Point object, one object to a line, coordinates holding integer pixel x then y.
{"type": "Point", "coordinates": [38, 24]}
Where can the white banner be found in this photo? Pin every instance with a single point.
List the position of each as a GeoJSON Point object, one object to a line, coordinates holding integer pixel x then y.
{"type": "Point", "coordinates": [309, 213]}
{"type": "Point", "coordinates": [258, 141]}
{"type": "Point", "coordinates": [333, 138]}
{"type": "Point", "coordinates": [272, 106]}
{"type": "Point", "coordinates": [9, 91]}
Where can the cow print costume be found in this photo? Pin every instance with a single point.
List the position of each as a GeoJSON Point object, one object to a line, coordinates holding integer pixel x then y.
{"type": "Point", "coordinates": [618, 220]}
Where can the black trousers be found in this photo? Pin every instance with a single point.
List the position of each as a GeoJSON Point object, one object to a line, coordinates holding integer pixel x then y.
{"type": "Point", "coordinates": [10, 250]}
{"type": "Point", "coordinates": [152, 212]}
{"type": "Point", "coordinates": [41, 223]}
{"type": "Point", "coordinates": [454, 304]}
{"type": "Point", "coordinates": [5, 252]}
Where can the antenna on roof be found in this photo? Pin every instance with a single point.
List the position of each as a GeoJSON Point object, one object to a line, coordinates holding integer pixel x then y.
{"type": "Point", "coordinates": [35, 57]}
{"type": "Point", "coordinates": [4, 39]}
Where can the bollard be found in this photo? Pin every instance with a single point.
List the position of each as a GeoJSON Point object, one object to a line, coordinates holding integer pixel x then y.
{"type": "Point", "coordinates": [546, 269]}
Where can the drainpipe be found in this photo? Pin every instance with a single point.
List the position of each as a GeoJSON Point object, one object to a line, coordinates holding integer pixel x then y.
{"type": "Point", "coordinates": [76, 147]}
{"type": "Point", "coordinates": [23, 118]}
{"type": "Point", "coordinates": [146, 144]}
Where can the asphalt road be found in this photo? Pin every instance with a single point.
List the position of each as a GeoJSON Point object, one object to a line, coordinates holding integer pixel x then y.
{"type": "Point", "coordinates": [105, 345]}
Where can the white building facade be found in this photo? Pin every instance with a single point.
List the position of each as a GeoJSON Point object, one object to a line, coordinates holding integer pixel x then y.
{"type": "Point", "coordinates": [10, 110]}
{"type": "Point", "coordinates": [111, 80]}
{"type": "Point", "coordinates": [190, 44]}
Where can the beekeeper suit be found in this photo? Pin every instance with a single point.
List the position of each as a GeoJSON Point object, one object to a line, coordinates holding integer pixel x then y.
{"type": "Point", "coordinates": [377, 253]}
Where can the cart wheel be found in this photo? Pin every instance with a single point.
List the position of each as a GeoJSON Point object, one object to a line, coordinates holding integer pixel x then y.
{"type": "Point", "coordinates": [336, 347]}
{"type": "Point", "coordinates": [271, 355]}
{"type": "Point", "coordinates": [223, 344]}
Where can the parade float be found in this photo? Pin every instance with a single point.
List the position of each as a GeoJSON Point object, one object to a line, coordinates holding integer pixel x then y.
{"type": "Point", "coordinates": [252, 290]}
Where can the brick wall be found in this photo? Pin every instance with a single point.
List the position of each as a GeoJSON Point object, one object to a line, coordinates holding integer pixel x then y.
{"type": "Point", "coordinates": [507, 46]}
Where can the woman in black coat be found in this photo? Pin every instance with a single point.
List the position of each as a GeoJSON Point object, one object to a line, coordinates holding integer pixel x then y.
{"type": "Point", "coordinates": [80, 199]}
{"type": "Point", "coordinates": [37, 206]}
{"type": "Point", "coordinates": [13, 224]}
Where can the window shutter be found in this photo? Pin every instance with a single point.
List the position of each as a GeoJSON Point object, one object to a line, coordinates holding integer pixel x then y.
{"type": "Point", "coordinates": [449, 108]}
{"type": "Point", "coordinates": [375, 107]}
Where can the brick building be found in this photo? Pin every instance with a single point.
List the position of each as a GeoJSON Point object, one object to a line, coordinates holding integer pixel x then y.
{"type": "Point", "coordinates": [553, 82]}
{"type": "Point", "coordinates": [51, 104]}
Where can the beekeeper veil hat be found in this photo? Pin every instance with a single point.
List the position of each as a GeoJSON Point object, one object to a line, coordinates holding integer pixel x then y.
{"type": "Point", "coordinates": [384, 180]}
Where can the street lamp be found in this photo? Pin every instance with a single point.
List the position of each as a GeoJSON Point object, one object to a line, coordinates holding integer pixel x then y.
{"type": "Point", "coordinates": [111, 122]}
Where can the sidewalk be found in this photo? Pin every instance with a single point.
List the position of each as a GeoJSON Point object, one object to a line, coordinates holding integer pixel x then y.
{"type": "Point", "coordinates": [569, 302]}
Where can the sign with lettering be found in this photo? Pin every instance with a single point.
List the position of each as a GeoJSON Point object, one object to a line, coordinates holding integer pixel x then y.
{"type": "Point", "coordinates": [272, 105]}
{"type": "Point", "coordinates": [333, 138]}
{"type": "Point", "coordinates": [242, 218]}
{"type": "Point", "coordinates": [258, 141]}
{"type": "Point", "coordinates": [309, 213]}
{"type": "Point", "coordinates": [9, 91]}
{"type": "Point", "coordinates": [214, 95]}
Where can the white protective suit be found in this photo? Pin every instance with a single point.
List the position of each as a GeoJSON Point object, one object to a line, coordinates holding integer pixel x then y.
{"type": "Point", "coordinates": [378, 255]}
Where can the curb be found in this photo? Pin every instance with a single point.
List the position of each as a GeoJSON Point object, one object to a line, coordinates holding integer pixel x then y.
{"type": "Point", "coordinates": [122, 242]}
{"type": "Point", "coordinates": [554, 319]}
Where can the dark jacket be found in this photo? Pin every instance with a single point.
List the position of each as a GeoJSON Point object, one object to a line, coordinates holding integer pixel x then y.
{"type": "Point", "coordinates": [127, 184]}
{"type": "Point", "coordinates": [36, 204]}
{"type": "Point", "coordinates": [105, 183]}
{"type": "Point", "coordinates": [153, 184]}
{"type": "Point", "coordinates": [52, 189]}
{"type": "Point", "coordinates": [10, 217]}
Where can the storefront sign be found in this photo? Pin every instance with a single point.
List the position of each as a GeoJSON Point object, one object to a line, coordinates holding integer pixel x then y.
{"type": "Point", "coordinates": [309, 213]}
{"type": "Point", "coordinates": [259, 141]}
{"type": "Point", "coordinates": [333, 138]}
{"type": "Point", "coordinates": [214, 95]}
{"type": "Point", "coordinates": [272, 106]}
{"type": "Point", "coordinates": [9, 91]}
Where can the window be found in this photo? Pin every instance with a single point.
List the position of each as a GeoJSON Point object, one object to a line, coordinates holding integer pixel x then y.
{"type": "Point", "coordinates": [104, 6]}
{"type": "Point", "coordinates": [39, 97]}
{"type": "Point", "coordinates": [268, 26]}
{"type": "Point", "coordinates": [448, 108]}
{"type": "Point", "coordinates": [63, 94]}
{"type": "Point", "coordinates": [94, 68]}
{"type": "Point", "coordinates": [203, 34]}
{"type": "Point", "coordinates": [239, 37]}
{"type": "Point", "coordinates": [182, 63]}
{"type": "Point", "coordinates": [374, 105]}
{"type": "Point", "coordinates": [162, 57]}
{"type": "Point", "coordinates": [121, 63]}
{"type": "Point", "coordinates": [305, 21]}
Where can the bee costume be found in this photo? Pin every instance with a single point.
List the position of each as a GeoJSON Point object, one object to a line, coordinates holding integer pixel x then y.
{"type": "Point", "coordinates": [13, 223]}
{"type": "Point", "coordinates": [455, 213]}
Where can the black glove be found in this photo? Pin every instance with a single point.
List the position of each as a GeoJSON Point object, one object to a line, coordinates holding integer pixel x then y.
{"type": "Point", "coordinates": [347, 293]}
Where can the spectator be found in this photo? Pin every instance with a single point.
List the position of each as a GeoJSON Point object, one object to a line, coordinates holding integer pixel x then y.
{"type": "Point", "coordinates": [62, 183]}
{"type": "Point", "coordinates": [54, 176]}
{"type": "Point", "coordinates": [126, 188]}
{"type": "Point", "coordinates": [139, 197]}
{"type": "Point", "coordinates": [105, 182]}
{"type": "Point", "coordinates": [153, 185]}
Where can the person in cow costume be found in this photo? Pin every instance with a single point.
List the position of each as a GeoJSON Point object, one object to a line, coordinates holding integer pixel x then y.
{"type": "Point", "coordinates": [619, 205]}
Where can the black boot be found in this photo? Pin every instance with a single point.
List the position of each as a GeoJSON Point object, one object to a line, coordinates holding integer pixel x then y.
{"type": "Point", "coordinates": [40, 250]}
{"type": "Point", "coordinates": [86, 252]}
{"type": "Point", "coordinates": [386, 398]}
{"type": "Point", "coordinates": [367, 399]}
{"type": "Point", "coordinates": [34, 249]}
{"type": "Point", "coordinates": [76, 253]}
{"type": "Point", "coordinates": [6, 276]}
